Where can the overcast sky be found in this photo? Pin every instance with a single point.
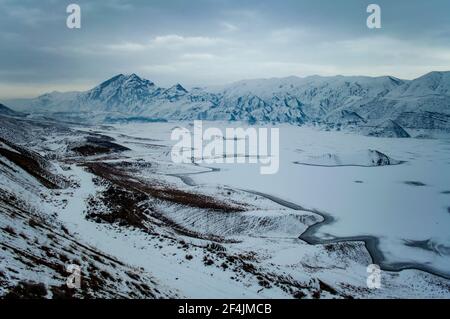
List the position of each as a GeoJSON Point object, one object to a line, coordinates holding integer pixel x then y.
{"type": "Point", "coordinates": [208, 42]}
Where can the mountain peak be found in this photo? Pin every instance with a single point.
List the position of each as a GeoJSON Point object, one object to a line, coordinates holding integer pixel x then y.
{"type": "Point", "coordinates": [437, 73]}
{"type": "Point", "coordinates": [121, 89]}
{"type": "Point", "coordinates": [133, 76]}
{"type": "Point", "coordinates": [134, 79]}
{"type": "Point", "coordinates": [176, 89]}
{"type": "Point", "coordinates": [131, 81]}
{"type": "Point", "coordinates": [435, 76]}
{"type": "Point", "coordinates": [179, 87]}
{"type": "Point", "coordinates": [435, 82]}
{"type": "Point", "coordinates": [174, 92]}
{"type": "Point", "coordinates": [122, 79]}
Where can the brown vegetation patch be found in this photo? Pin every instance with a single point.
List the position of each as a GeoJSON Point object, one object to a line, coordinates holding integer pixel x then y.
{"type": "Point", "coordinates": [96, 145]}
{"type": "Point", "coordinates": [122, 202]}
{"type": "Point", "coordinates": [123, 207]}
{"type": "Point", "coordinates": [176, 196]}
{"type": "Point", "coordinates": [27, 290]}
{"type": "Point", "coordinates": [33, 164]}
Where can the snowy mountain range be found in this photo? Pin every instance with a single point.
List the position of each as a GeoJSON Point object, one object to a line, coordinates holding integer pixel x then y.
{"type": "Point", "coordinates": [368, 103]}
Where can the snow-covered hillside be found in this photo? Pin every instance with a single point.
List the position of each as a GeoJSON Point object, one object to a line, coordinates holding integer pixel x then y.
{"type": "Point", "coordinates": [367, 104]}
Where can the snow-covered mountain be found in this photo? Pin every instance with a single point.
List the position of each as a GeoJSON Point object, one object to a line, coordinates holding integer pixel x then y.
{"type": "Point", "coordinates": [358, 101]}
{"type": "Point", "coordinates": [423, 103]}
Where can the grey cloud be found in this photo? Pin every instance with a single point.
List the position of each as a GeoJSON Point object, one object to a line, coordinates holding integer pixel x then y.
{"type": "Point", "coordinates": [206, 42]}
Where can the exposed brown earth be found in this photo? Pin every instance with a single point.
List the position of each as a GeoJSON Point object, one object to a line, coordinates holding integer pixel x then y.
{"type": "Point", "coordinates": [96, 145]}
{"type": "Point", "coordinates": [132, 203]}
{"type": "Point", "coordinates": [121, 178]}
{"type": "Point", "coordinates": [33, 164]}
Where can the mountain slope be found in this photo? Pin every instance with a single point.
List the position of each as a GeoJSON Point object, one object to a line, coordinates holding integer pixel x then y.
{"type": "Point", "coordinates": [423, 103]}
{"type": "Point", "coordinates": [4, 110]}
{"type": "Point", "coordinates": [37, 247]}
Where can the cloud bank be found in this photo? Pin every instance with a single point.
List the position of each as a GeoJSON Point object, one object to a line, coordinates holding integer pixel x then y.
{"type": "Point", "coordinates": [209, 42]}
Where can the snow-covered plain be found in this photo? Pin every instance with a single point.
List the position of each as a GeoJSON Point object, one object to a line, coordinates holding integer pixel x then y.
{"type": "Point", "coordinates": [405, 206]}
